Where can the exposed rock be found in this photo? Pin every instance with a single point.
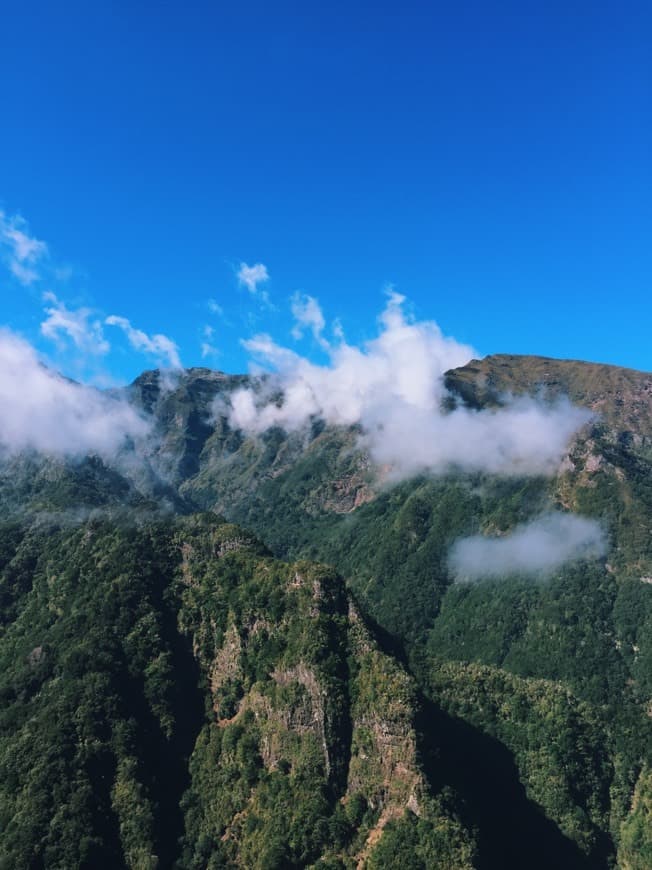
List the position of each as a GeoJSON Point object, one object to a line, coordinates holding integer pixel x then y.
{"type": "Point", "coordinates": [226, 664]}
{"type": "Point", "coordinates": [35, 656]}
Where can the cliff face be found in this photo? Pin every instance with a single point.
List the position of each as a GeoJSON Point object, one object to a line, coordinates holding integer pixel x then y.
{"type": "Point", "coordinates": [330, 720]}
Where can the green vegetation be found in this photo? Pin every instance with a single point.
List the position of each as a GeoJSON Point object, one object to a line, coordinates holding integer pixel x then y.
{"type": "Point", "coordinates": [635, 851]}
{"type": "Point", "coordinates": [173, 695]}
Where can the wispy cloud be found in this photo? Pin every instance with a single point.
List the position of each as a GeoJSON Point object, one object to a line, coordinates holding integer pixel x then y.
{"type": "Point", "coordinates": [393, 387]}
{"type": "Point", "coordinates": [43, 411]}
{"type": "Point", "coordinates": [252, 277]}
{"type": "Point", "coordinates": [308, 315]}
{"type": "Point", "coordinates": [162, 348]}
{"type": "Point", "coordinates": [23, 253]}
{"type": "Point", "coordinates": [215, 308]}
{"type": "Point", "coordinates": [208, 349]}
{"type": "Point", "coordinates": [536, 548]}
{"type": "Point", "coordinates": [80, 326]}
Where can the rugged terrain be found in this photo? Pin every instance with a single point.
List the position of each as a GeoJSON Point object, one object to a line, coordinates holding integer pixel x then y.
{"type": "Point", "coordinates": [174, 694]}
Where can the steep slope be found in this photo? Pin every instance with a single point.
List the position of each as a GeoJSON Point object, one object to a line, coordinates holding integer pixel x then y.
{"type": "Point", "coordinates": [173, 695]}
{"type": "Point", "coordinates": [323, 721]}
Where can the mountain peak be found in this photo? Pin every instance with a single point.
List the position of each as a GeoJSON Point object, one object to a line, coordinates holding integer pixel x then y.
{"type": "Point", "coordinates": [621, 396]}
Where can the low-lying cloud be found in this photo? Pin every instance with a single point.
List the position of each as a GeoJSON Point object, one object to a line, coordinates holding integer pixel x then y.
{"type": "Point", "coordinates": [393, 387]}
{"type": "Point", "coordinates": [43, 411]}
{"type": "Point", "coordinates": [537, 548]}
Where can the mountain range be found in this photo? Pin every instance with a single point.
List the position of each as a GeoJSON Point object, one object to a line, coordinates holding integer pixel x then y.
{"type": "Point", "coordinates": [223, 648]}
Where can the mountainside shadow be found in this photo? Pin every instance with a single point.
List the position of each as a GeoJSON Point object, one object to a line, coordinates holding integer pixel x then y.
{"type": "Point", "coordinates": [190, 715]}
{"type": "Point", "coordinates": [512, 831]}
{"type": "Point", "coordinates": [164, 760]}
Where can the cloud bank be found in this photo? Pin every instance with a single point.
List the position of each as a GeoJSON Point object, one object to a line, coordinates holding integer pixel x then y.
{"type": "Point", "coordinates": [43, 411]}
{"type": "Point", "coordinates": [537, 548]}
{"type": "Point", "coordinates": [393, 387]}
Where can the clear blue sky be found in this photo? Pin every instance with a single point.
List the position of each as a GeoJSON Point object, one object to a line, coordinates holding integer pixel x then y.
{"type": "Point", "coordinates": [492, 161]}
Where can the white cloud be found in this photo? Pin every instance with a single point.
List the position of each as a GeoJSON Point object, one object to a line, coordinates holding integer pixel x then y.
{"type": "Point", "coordinates": [539, 547]}
{"type": "Point", "coordinates": [85, 333]}
{"type": "Point", "coordinates": [207, 347]}
{"type": "Point", "coordinates": [215, 308]}
{"type": "Point", "coordinates": [308, 315]}
{"type": "Point", "coordinates": [393, 387]}
{"type": "Point", "coordinates": [252, 277]}
{"type": "Point", "coordinates": [22, 252]}
{"type": "Point", "coordinates": [43, 411]}
{"type": "Point", "coordinates": [158, 346]}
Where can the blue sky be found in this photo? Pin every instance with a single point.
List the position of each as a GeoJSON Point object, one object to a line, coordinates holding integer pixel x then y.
{"type": "Point", "coordinates": [491, 161]}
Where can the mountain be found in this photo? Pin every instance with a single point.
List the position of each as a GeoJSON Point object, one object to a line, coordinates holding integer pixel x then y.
{"type": "Point", "coordinates": [178, 694]}
{"type": "Point", "coordinates": [317, 495]}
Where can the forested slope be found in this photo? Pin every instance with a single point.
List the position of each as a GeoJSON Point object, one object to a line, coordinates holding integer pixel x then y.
{"type": "Point", "coordinates": [173, 696]}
